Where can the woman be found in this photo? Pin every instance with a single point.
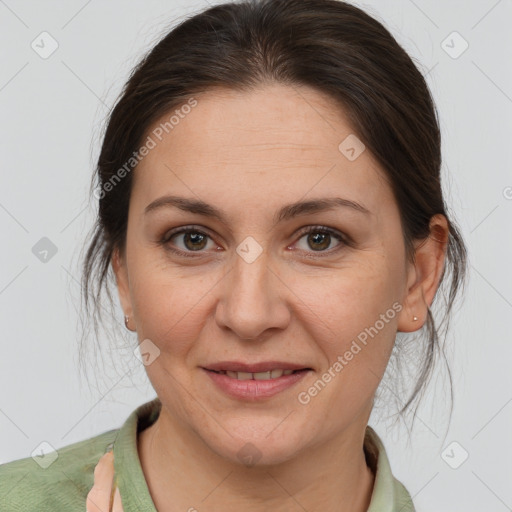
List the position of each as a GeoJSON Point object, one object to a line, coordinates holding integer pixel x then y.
{"type": "Point", "coordinates": [271, 209]}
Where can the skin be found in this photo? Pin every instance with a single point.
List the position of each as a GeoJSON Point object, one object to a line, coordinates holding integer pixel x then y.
{"type": "Point", "coordinates": [248, 154]}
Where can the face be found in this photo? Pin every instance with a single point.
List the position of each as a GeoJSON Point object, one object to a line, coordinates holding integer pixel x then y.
{"type": "Point", "coordinates": [244, 278]}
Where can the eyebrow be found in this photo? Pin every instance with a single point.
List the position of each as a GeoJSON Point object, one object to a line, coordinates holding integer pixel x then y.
{"type": "Point", "coordinates": [285, 213]}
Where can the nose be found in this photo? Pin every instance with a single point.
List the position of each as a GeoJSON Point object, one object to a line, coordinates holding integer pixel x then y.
{"type": "Point", "coordinates": [253, 300]}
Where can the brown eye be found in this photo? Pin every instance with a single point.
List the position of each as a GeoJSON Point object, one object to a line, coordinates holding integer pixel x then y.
{"type": "Point", "coordinates": [186, 241]}
{"type": "Point", "coordinates": [194, 241]}
{"type": "Point", "coordinates": [320, 239]}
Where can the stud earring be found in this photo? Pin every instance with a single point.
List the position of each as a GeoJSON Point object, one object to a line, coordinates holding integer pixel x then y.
{"type": "Point", "coordinates": [126, 320]}
{"type": "Point", "coordinates": [415, 318]}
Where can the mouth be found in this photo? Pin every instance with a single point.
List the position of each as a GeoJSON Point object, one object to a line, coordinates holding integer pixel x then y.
{"type": "Point", "coordinates": [267, 375]}
{"type": "Point", "coordinates": [255, 381]}
{"type": "Point", "coordinates": [264, 370]}
{"type": "Point", "coordinates": [244, 385]}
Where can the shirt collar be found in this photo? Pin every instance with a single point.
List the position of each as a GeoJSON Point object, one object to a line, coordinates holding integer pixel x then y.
{"type": "Point", "coordinates": [389, 494]}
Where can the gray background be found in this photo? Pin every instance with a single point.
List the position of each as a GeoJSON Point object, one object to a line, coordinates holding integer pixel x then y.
{"type": "Point", "coordinates": [51, 116]}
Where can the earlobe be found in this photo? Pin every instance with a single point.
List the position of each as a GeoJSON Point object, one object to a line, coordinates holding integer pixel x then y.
{"type": "Point", "coordinates": [424, 275]}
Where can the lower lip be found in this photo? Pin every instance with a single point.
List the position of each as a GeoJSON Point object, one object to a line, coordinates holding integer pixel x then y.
{"type": "Point", "coordinates": [252, 389]}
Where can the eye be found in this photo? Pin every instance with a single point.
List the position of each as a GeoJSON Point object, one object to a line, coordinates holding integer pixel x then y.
{"type": "Point", "coordinates": [320, 238]}
{"type": "Point", "coordinates": [187, 240]}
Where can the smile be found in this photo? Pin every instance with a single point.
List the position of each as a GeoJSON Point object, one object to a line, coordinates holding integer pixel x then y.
{"type": "Point", "coordinates": [254, 386]}
{"type": "Point", "coordinates": [271, 374]}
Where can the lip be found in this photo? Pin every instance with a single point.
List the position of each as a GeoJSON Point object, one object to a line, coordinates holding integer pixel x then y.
{"type": "Point", "coordinates": [262, 366]}
{"type": "Point", "coordinates": [254, 390]}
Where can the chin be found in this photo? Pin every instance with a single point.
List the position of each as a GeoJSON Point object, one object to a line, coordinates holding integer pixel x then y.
{"type": "Point", "coordinates": [254, 455]}
{"type": "Point", "coordinates": [252, 446]}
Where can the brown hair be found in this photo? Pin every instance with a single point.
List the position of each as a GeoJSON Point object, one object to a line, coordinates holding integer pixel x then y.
{"type": "Point", "coordinates": [329, 45]}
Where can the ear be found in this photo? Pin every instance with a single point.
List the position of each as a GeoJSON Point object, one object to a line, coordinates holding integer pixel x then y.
{"type": "Point", "coordinates": [123, 283]}
{"type": "Point", "coordinates": [424, 275]}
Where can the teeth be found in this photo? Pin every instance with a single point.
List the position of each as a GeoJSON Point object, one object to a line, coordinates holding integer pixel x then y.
{"type": "Point", "coordinates": [271, 374]}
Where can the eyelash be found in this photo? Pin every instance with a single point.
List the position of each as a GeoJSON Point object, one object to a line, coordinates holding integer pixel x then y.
{"type": "Point", "coordinates": [311, 229]}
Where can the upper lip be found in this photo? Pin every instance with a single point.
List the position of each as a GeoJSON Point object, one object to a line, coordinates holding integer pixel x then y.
{"type": "Point", "coordinates": [263, 366]}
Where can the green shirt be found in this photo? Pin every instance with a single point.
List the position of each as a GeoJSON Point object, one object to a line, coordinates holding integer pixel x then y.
{"type": "Point", "coordinates": [63, 486]}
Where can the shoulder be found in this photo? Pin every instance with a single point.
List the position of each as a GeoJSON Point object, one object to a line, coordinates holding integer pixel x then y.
{"type": "Point", "coordinates": [55, 481]}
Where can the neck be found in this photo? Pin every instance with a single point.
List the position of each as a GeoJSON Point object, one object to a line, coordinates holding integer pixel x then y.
{"type": "Point", "coordinates": [183, 473]}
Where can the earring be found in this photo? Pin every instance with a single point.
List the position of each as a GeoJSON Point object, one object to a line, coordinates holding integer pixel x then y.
{"type": "Point", "coordinates": [415, 318]}
{"type": "Point", "coordinates": [126, 319]}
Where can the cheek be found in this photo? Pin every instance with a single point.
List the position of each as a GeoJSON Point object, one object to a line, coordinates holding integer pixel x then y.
{"type": "Point", "coordinates": [355, 328]}
{"type": "Point", "coordinates": [342, 303]}
{"type": "Point", "coordinates": [169, 308]}
{"type": "Point", "coordinates": [353, 320]}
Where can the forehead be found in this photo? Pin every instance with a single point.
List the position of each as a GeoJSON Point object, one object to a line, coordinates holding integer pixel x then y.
{"type": "Point", "coordinates": [275, 140]}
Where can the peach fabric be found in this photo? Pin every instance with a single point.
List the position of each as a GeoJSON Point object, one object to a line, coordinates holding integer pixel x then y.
{"type": "Point", "coordinates": [104, 495]}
